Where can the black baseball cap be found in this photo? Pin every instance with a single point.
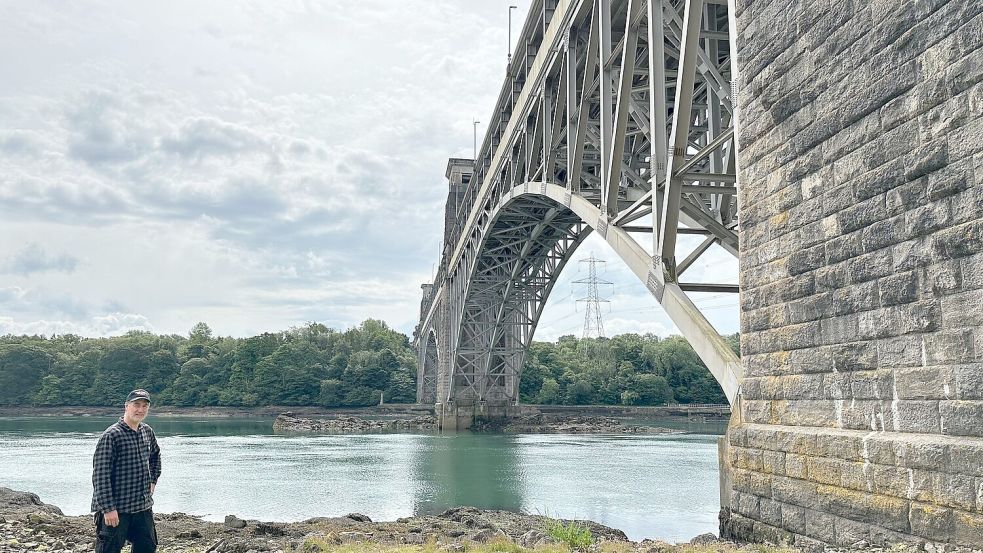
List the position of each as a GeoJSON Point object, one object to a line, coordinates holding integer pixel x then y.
{"type": "Point", "coordinates": [138, 394]}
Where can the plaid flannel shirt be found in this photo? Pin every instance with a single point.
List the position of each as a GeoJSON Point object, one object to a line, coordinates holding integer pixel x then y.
{"type": "Point", "coordinates": [125, 463]}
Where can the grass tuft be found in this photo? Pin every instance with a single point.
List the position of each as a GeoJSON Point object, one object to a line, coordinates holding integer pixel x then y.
{"type": "Point", "coordinates": [575, 535]}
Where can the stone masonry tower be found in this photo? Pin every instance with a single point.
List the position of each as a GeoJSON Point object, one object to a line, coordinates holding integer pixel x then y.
{"type": "Point", "coordinates": [861, 140]}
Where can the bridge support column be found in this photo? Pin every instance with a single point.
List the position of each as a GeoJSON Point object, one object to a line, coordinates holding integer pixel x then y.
{"type": "Point", "coordinates": [461, 415]}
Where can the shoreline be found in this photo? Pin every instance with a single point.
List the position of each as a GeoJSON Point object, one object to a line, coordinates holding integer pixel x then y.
{"type": "Point", "coordinates": [28, 524]}
{"type": "Point", "coordinates": [709, 412]}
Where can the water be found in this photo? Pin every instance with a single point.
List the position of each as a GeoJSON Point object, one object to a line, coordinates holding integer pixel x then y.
{"type": "Point", "coordinates": [663, 487]}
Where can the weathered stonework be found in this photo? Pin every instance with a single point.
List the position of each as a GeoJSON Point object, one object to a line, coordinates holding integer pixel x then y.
{"type": "Point", "coordinates": [861, 140]}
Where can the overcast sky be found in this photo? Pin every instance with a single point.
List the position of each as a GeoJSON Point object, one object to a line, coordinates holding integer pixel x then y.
{"type": "Point", "coordinates": [253, 165]}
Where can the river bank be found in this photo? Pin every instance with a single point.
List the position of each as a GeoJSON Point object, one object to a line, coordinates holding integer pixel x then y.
{"type": "Point", "coordinates": [28, 524]}
{"type": "Point", "coordinates": [710, 412]}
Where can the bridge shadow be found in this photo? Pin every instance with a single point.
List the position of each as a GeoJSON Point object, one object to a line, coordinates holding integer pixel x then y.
{"type": "Point", "coordinates": [477, 470]}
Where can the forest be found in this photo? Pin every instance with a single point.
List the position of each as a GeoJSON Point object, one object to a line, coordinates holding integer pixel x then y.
{"type": "Point", "coordinates": [314, 365]}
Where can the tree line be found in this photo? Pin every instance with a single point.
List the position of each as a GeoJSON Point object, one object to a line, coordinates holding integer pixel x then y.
{"type": "Point", "coordinates": [628, 369]}
{"type": "Point", "coordinates": [314, 365]}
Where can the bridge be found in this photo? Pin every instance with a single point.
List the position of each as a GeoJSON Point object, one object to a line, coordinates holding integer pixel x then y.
{"type": "Point", "coordinates": [836, 148]}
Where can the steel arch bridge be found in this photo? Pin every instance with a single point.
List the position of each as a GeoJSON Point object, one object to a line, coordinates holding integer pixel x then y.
{"type": "Point", "coordinates": [616, 117]}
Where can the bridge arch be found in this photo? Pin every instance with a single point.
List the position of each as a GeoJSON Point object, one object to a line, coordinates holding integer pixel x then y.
{"type": "Point", "coordinates": [532, 232]}
{"type": "Point", "coordinates": [429, 370]}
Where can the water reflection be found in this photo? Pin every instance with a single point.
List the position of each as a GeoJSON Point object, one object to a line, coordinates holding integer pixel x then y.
{"type": "Point", "coordinates": [467, 469]}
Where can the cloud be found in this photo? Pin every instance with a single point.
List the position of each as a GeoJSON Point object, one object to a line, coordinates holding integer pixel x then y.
{"type": "Point", "coordinates": [111, 324]}
{"type": "Point", "coordinates": [32, 258]}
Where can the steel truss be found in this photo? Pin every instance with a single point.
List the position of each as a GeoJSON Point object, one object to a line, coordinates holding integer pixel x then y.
{"type": "Point", "coordinates": [628, 105]}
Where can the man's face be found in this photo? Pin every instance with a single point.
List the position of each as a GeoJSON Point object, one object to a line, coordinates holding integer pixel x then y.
{"type": "Point", "coordinates": [137, 409]}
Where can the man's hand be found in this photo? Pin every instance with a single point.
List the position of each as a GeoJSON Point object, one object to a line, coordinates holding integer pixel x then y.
{"type": "Point", "coordinates": [111, 518]}
{"type": "Point", "coordinates": [152, 488]}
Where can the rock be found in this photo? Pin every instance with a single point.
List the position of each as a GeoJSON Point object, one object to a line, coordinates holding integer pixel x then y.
{"type": "Point", "coordinates": [453, 547]}
{"type": "Point", "coordinates": [191, 534]}
{"type": "Point", "coordinates": [15, 501]}
{"type": "Point", "coordinates": [348, 537]}
{"type": "Point", "coordinates": [289, 423]}
{"type": "Point", "coordinates": [233, 522]}
{"type": "Point", "coordinates": [413, 538]}
{"type": "Point", "coordinates": [268, 529]}
{"type": "Point", "coordinates": [358, 517]}
{"type": "Point", "coordinates": [704, 539]}
{"type": "Point", "coordinates": [532, 538]}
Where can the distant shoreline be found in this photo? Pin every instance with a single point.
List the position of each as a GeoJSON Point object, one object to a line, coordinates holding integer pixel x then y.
{"type": "Point", "coordinates": [271, 411]}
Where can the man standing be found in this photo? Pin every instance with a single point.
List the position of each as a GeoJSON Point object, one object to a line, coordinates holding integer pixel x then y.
{"type": "Point", "coordinates": [125, 469]}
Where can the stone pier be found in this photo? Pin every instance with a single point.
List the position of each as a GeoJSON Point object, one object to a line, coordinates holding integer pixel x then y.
{"type": "Point", "coordinates": [861, 141]}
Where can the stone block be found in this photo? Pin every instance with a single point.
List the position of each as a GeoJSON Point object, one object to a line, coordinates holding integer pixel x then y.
{"type": "Point", "coordinates": [962, 417]}
{"type": "Point", "coordinates": [877, 384]}
{"type": "Point", "coordinates": [833, 277]}
{"type": "Point", "coordinates": [870, 266]}
{"type": "Point", "coordinates": [838, 330]}
{"type": "Point", "coordinates": [971, 269]}
{"type": "Point", "coordinates": [824, 471]}
{"type": "Point", "coordinates": [770, 512]}
{"type": "Point", "coordinates": [931, 521]}
{"type": "Point", "coordinates": [926, 219]}
{"type": "Point", "coordinates": [773, 462]}
{"type": "Point", "coordinates": [954, 490]}
{"type": "Point", "coordinates": [856, 476]}
{"type": "Point", "coordinates": [879, 448]}
{"type": "Point", "coordinates": [793, 518]}
{"type": "Point", "coordinates": [926, 453]}
{"type": "Point", "coordinates": [931, 158]}
{"type": "Point", "coordinates": [796, 466]}
{"type": "Point", "coordinates": [806, 260]}
{"type": "Point", "coordinates": [806, 386]}
{"type": "Point", "coordinates": [890, 480]}
{"type": "Point", "coordinates": [967, 529]}
{"type": "Point", "coordinates": [887, 511]}
{"type": "Point", "coordinates": [924, 382]}
{"type": "Point", "coordinates": [962, 310]}
{"type": "Point", "coordinates": [898, 288]}
{"type": "Point", "coordinates": [794, 491]}
{"type": "Point", "coordinates": [901, 351]}
{"type": "Point", "coordinates": [978, 483]}
{"type": "Point", "coordinates": [747, 505]}
{"type": "Point", "coordinates": [805, 412]}
{"type": "Point", "coordinates": [849, 532]}
{"type": "Point", "coordinates": [809, 308]}
{"type": "Point", "coordinates": [906, 197]}
{"type": "Point", "coordinates": [914, 253]}
{"type": "Point", "coordinates": [959, 241]}
{"type": "Point", "coordinates": [837, 385]}
{"type": "Point", "coordinates": [949, 346]}
{"type": "Point", "coordinates": [838, 445]}
{"type": "Point", "coordinates": [917, 416]}
{"type": "Point", "coordinates": [969, 381]}
{"type": "Point", "coordinates": [820, 526]}
{"type": "Point", "coordinates": [940, 279]}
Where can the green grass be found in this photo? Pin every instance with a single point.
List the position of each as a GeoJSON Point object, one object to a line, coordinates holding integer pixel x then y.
{"type": "Point", "coordinates": [575, 535]}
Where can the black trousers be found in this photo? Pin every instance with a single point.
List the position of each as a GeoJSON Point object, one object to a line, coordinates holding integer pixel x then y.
{"type": "Point", "coordinates": [137, 528]}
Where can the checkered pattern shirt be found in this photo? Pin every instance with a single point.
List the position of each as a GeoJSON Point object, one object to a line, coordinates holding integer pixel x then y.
{"type": "Point", "coordinates": [126, 462]}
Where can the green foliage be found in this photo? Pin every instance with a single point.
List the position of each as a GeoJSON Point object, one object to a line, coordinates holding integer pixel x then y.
{"type": "Point", "coordinates": [309, 365]}
{"type": "Point", "coordinates": [576, 535]}
{"type": "Point", "coordinates": [629, 369]}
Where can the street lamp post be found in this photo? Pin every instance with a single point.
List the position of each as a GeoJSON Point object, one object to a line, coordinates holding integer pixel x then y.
{"type": "Point", "coordinates": [510, 35]}
{"type": "Point", "coordinates": [474, 127]}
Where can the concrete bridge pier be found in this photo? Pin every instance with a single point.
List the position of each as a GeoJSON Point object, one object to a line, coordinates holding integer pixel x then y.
{"type": "Point", "coordinates": [454, 415]}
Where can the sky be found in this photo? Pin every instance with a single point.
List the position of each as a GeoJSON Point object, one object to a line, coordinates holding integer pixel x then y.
{"type": "Point", "coordinates": [253, 165]}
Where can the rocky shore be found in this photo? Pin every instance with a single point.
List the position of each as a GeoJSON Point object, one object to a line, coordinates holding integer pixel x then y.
{"type": "Point", "coordinates": [288, 422]}
{"type": "Point", "coordinates": [542, 423]}
{"type": "Point", "coordinates": [529, 424]}
{"type": "Point", "coordinates": [28, 524]}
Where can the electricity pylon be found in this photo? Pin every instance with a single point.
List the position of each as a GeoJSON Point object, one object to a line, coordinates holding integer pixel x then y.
{"type": "Point", "coordinates": [593, 322]}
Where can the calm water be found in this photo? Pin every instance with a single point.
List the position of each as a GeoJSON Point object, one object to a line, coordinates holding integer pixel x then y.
{"type": "Point", "coordinates": [648, 486]}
